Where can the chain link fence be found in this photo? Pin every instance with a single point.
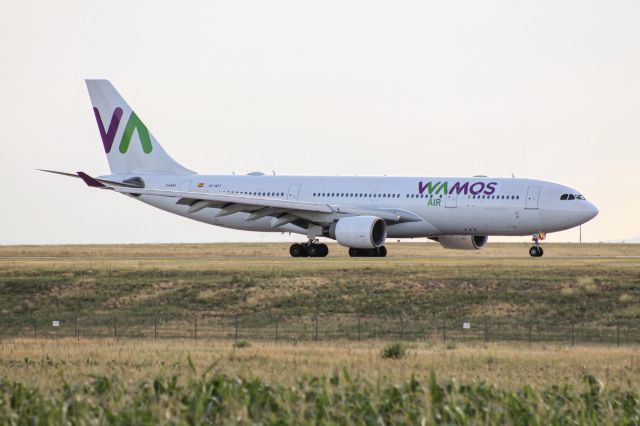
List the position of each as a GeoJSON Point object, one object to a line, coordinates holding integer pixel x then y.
{"type": "Point", "coordinates": [322, 328]}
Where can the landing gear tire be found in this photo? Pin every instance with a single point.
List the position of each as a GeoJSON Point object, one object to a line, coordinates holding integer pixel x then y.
{"type": "Point", "coordinates": [382, 251]}
{"type": "Point", "coordinates": [298, 250]}
{"type": "Point", "coordinates": [536, 251]}
{"type": "Point", "coordinates": [313, 249]}
{"type": "Point", "coordinates": [324, 250]}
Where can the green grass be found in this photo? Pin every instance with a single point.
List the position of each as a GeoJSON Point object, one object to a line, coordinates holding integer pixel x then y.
{"type": "Point", "coordinates": [214, 398]}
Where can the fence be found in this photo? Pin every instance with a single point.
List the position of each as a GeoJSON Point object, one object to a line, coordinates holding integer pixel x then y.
{"type": "Point", "coordinates": [279, 328]}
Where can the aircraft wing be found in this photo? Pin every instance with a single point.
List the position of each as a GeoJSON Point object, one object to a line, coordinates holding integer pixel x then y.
{"type": "Point", "coordinates": [282, 211]}
{"type": "Point", "coordinates": [265, 206]}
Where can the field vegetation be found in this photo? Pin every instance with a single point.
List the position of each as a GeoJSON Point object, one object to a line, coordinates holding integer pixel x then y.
{"type": "Point", "coordinates": [229, 333]}
{"type": "Point", "coordinates": [138, 381]}
{"type": "Point", "coordinates": [591, 291]}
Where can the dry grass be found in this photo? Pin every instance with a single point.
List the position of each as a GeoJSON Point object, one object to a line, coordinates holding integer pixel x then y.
{"type": "Point", "coordinates": [47, 363]}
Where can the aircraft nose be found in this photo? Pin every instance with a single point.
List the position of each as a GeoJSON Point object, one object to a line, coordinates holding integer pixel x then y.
{"type": "Point", "coordinates": [590, 211]}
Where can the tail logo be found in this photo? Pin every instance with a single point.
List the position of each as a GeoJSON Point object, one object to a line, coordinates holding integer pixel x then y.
{"type": "Point", "coordinates": [133, 124]}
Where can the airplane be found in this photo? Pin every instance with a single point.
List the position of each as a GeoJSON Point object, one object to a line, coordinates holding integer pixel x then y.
{"type": "Point", "coordinates": [360, 213]}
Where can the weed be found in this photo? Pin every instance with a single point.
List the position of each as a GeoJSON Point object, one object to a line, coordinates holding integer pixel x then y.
{"type": "Point", "coordinates": [394, 351]}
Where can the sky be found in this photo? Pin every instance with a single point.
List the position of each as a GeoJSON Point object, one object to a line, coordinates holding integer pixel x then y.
{"type": "Point", "coordinates": [544, 89]}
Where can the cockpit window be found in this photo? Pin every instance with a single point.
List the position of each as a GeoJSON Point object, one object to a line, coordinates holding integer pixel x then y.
{"type": "Point", "coordinates": [572, 197]}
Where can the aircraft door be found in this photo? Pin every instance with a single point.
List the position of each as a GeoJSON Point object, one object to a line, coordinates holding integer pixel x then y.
{"type": "Point", "coordinates": [533, 195]}
{"type": "Point", "coordinates": [294, 191]}
{"type": "Point", "coordinates": [451, 201]}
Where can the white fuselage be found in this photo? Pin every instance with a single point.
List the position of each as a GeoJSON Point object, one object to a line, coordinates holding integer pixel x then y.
{"type": "Point", "coordinates": [444, 205]}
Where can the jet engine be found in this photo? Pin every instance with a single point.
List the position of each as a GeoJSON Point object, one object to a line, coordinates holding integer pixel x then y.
{"type": "Point", "coordinates": [364, 232]}
{"type": "Point", "coordinates": [462, 242]}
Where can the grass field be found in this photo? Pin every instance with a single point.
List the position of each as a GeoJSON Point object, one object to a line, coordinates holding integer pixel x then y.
{"type": "Point", "coordinates": [589, 290]}
{"type": "Point", "coordinates": [57, 381]}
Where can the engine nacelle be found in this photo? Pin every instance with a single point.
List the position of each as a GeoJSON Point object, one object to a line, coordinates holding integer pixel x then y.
{"type": "Point", "coordinates": [363, 232]}
{"type": "Point", "coordinates": [463, 242]}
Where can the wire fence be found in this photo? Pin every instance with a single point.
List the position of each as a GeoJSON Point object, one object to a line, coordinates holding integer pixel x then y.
{"type": "Point", "coordinates": [332, 327]}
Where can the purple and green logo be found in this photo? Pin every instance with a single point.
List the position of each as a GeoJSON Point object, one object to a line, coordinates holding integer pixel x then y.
{"type": "Point", "coordinates": [473, 188]}
{"type": "Point", "coordinates": [133, 124]}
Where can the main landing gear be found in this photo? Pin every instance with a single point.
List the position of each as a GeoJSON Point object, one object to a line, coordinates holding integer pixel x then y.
{"type": "Point", "coordinates": [310, 249]}
{"type": "Point", "coordinates": [374, 252]}
{"type": "Point", "coordinates": [536, 250]}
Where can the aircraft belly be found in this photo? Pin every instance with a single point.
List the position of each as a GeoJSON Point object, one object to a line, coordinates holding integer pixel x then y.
{"type": "Point", "coordinates": [455, 220]}
{"type": "Point", "coordinates": [412, 230]}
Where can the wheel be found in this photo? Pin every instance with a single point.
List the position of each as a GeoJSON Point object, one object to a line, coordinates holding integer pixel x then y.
{"type": "Point", "coordinates": [535, 251]}
{"type": "Point", "coordinates": [540, 251]}
{"type": "Point", "coordinates": [354, 252]}
{"type": "Point", "coordinates": [314, 250]}
{"type": "Point", "coordinates": [324, 250]}
{"type": "Point", "coordinates": [296, 250]}
{"type": "Point", "coordinates": [382, 251]}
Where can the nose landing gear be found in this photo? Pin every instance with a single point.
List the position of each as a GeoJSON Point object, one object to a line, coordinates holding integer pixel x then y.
{"type": "Point", "coordinates": [311, 249]}
{"type": "Point", "coordinates": [536, 250]}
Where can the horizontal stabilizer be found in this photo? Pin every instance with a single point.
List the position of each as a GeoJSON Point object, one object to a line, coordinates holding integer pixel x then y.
{"type": "Point", "coordinates": [90, 181]}
{"type": "Point", "coordinates": [106, 182]}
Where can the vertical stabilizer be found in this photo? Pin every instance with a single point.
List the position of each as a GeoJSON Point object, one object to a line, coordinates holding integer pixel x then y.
{"type": "Point", "coordinates": [129, 145]}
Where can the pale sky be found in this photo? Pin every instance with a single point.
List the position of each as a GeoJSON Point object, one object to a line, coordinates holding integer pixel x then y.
{"type": "Point", "coordinates": [544, 89]}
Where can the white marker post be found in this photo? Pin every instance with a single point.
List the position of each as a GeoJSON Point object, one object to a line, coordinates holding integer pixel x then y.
{"type": "Point", "coordinates": [56, 324]}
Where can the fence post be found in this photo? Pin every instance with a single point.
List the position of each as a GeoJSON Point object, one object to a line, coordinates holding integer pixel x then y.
{"type": "Point", "coordinates": [316, 328]}
{"type": "Point", "coordinates": [155, 328]}
{"type": "Point", "coordinates": [444, 330]}
{"type": "Point", "coordinates": [359, 335]}
{"type": "Point", "coordinates": [486, 329]}
{"type": "Point", "coordinates": [236, 336]}
{"type": "Point", "coordinates": [618, 334]}
{"type": "Point", "coordinates": [276, 330]}
{"type": "Point", "coordinates": [573, 337]}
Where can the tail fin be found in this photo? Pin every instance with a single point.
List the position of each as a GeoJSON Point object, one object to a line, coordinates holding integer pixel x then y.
{"type": "Point", "coordinates": [129, 146]}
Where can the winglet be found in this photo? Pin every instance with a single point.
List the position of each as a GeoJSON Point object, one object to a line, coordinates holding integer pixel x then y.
{"type": "Point", "coordinates": [90, 181]}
